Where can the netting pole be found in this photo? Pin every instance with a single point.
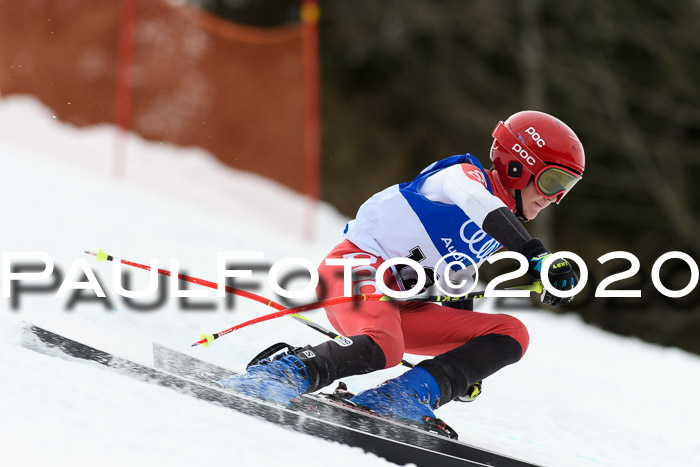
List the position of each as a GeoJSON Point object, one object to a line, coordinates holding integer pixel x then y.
{"type": "Point", "coordinates": [310, 14]}
{"type": "Point", "coordinates": [125, 56]}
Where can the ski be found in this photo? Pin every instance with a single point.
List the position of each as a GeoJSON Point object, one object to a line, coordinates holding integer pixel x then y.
{"type": "Point", "coordinates": [322, 405]}
{"type": "Point", "coordinates": [395, 442]}
{"type": "Point", "coordinates": [326, 407]}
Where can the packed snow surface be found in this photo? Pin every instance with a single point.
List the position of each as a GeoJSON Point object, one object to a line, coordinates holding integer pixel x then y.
{"type": "Point", "coordinates": [579, 397]}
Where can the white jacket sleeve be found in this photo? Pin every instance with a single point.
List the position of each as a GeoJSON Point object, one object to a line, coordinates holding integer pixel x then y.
{"type": "Point", "coordinates": [453, 186]}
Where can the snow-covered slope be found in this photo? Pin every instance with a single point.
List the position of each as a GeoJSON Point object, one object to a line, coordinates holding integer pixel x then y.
{"type": "Point", "coordinates": [579, 397]}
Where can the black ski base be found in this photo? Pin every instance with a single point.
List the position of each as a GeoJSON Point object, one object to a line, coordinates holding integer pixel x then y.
{"type": "Point", "coordinates": [314, 415]}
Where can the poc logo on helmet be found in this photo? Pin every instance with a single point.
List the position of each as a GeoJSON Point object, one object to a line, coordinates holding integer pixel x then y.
{"type": "Point", "coordinates": [523, 153]}
{"type": "Point", "coordinates": [535, 136]}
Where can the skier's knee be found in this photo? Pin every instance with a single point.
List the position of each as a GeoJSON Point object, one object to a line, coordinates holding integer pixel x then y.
{"type": "Point", "coordinates": [393, 358]}
{"type": "Point", "coordinates": [391, 346]}
{"type": "Point", "coordinates": [514, 328]}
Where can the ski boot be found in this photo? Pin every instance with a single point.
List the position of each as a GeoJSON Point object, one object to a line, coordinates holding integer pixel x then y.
{"type": "Point", "coordinates": [282, 378]}
{"type": "Point", "coordinates": [411, 397]}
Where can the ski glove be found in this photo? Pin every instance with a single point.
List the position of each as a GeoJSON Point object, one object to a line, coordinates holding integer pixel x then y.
{"type": "Point", "coordinates": [561, 275]}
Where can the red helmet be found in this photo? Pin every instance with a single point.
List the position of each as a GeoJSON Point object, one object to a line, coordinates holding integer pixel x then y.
{"type": "Point", "coordinates": [534, 144]}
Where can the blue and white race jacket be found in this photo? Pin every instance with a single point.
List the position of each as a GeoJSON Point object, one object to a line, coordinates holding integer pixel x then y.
{"type": "Point", "coordinates": [439, 214]}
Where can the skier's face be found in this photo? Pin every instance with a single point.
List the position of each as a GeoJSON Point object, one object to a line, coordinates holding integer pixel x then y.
{"type": "Point", "coordinates": [533, 201]}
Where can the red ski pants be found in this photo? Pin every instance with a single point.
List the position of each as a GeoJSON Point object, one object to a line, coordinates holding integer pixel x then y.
{"type": "Point", "coordinates": [398, 327]}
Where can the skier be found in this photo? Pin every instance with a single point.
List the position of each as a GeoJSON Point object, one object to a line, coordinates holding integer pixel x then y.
{"type": "Point", "coordinates": [454, 205]}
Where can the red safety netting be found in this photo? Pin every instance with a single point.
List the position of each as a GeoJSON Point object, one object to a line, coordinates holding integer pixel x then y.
{"type": "Point", "coordinates": [167, 71]}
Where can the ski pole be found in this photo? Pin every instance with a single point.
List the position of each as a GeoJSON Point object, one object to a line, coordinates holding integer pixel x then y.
{"type": "Point", "coordinates": [102, 256]}
{"type": "Point", "coordinates": [207, 339]}
{"type": "Point", "coordinates": [282, 311]}
{"type": "Point", "coordinates": [314, 325]}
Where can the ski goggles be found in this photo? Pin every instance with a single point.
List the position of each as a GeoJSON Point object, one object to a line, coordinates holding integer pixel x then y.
{"type": "Point", "coordinates": [555, 181]}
